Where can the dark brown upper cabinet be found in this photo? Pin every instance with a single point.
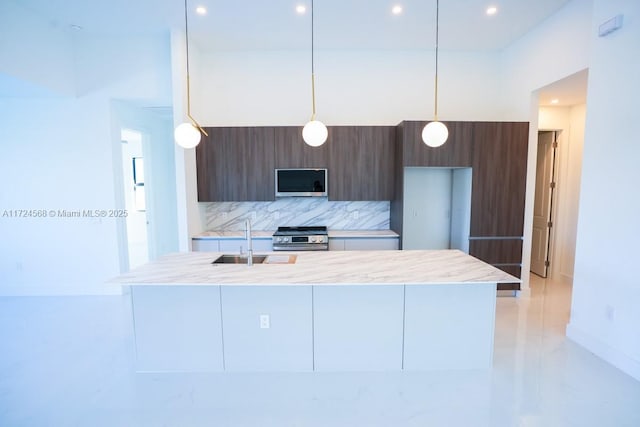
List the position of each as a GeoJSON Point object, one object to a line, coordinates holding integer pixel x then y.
{"type": "Point", "coordinates": [456, 152]}
{"type": "Point", "coordinates": [236, 164]}
{"type": "Point", "coordinates": [361, 162]}
{"type": "Point", "coordinates": [499, 178]}
{"type": "Point", "coordinates": [293, 152]}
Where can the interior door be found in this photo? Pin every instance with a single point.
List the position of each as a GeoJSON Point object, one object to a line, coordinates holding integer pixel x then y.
{"type": "Point", "coordinates": [545, 169]}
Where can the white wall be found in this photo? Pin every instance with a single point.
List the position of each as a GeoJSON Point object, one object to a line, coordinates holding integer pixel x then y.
{"type": "Point", "coordinates": [606, 290]}
{"type": "Point", "coordinates": [352, 87]}
{"type": "Point", "coordinates": [63, 163]}
{"type": "Point", "coordinates": [60, 153]}
{"type": "Point", "coordinates": [557, 48]}
{"type": "Point", "coordinates": [35, 50]}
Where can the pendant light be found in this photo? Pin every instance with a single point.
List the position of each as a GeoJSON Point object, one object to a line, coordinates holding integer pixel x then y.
{"type": "Point", "coordinates": [314, 132]}
{"type": "Point", "coordinates": [188, 134]}
{"type": "Point", "coordinates": [435, 133]}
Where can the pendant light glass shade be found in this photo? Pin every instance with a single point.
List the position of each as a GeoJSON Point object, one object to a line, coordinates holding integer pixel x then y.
{"type": "Point", "coordinates": [315, 133]}
{"type": "Point", "coordinates": [435, 134]}
{"type": "Point", "coordinates": [187, 135]}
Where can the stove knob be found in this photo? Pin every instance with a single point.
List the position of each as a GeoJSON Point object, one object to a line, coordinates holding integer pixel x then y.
{"type": "Point", "coordinates": [279, 239]}
{"type": "Point", "coordinates": [312, 239]}
{"type": "Point", "coordinates": [285, 239]}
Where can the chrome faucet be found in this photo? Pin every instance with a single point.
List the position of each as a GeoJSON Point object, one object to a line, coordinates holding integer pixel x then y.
{"type": "Point", "coordinates": [247, 235]}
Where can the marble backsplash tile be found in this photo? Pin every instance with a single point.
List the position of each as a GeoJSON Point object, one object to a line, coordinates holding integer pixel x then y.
{"type": "Point", "coordinates": [296, 211]}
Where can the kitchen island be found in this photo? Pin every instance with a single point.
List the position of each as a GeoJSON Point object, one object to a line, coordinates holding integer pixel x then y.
{"type": "Point", "coordinates": [327, 311]}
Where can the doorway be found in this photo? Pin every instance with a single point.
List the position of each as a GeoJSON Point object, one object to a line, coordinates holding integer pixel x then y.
{"type": "Point", "coordinates": [543, 203]}
{"type": "Point", "coordinates": [437, 208]}
{"type": "Point", "coordinates": [135, 197]}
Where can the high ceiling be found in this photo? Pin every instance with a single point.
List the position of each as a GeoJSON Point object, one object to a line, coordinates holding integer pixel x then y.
{"type": "Point", "coordinates": [274, 24]}
{"type": "Point", "coordinates": [339, 24]}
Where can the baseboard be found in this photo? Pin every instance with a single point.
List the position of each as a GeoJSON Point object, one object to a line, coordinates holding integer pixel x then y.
{"type": "Point", "coordinates": [502, 293]}
{"type": "Point", "coordinates": [508, 286]}
{"type": "Point", "coordinates": [58, 290]}
{"type": "Point", "coordinates": [609, 354]}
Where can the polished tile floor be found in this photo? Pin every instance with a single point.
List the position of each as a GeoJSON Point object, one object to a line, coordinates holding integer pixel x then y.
{"type": "Point", "coordinates": [68, 361]}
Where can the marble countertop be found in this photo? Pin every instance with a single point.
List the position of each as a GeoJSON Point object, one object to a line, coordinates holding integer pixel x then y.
{"type": "Point", "coordinates": [267, 234]}
{"type": "Point", "coordinates": [362, 233]}
{"type": "Point", "coordinates": [321, 268]}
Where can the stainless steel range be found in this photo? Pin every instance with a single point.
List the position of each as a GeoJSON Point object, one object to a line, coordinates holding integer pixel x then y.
{"type": "Point", "coordinates": [304, 238]}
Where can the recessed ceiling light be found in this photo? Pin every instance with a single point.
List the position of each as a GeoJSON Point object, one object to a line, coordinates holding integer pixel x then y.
{"type": "Point", "coordinates": [201, 10]}
{"type": "Point", "coordinates": [555, 101]}
{"type": "Point", "coordinates": [396, 10]}
{"type": "Point", "coordinates": [301, 9]}
{"type": "Point", "coordinates": [492, 10]}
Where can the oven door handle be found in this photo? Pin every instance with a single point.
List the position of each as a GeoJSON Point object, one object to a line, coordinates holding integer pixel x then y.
{"type": "Point", "coordinates": [313, 247]}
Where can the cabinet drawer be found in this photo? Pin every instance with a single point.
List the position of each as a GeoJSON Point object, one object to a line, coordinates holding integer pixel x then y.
{"type": "Point", "coordinates": [202, 245]}
{"type": "Point", "coordinates": [230, 245]}
{"type": "Point", "coordinates": [363, 244]}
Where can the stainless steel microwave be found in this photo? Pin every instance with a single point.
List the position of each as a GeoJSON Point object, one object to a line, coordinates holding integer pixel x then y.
{"type": "Point", "coordinates": [301, 182]}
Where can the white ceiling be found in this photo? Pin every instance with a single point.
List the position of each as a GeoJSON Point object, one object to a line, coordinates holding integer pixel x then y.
{"type": "Point", "coordinates": [340, 24]}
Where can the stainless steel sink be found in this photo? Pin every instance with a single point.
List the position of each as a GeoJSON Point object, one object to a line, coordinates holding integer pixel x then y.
{"type": "Point", "coordinates": [238, 259]}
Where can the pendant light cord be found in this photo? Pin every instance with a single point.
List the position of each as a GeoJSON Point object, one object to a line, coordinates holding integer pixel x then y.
{"type": "Point", "coordinates": [186, 38]}
{"type": "Point", "coordinates": [313, 78]}
{"type": "Point", "coordinates": [436, 79]}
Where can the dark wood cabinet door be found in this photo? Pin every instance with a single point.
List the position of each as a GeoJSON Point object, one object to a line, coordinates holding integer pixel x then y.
{"type": "Point", "coordinates": [497, 251]}
{"type": "Point", "coordinates": [212, 178]}
{"type": "Point", "coordinates": [499, 178]}
{"type": "Point", "coordinates": [236, 164]}
{"type": "Point", "coordinates": [292, 152]}
{"type": "Point", "coordinates": [505, 254]}
{"type": "Point", "coordinates": [456, 152]}
{"type": "Point", "coordinates": [361, 160]}
{"type": "Point", "coordinates": [258, 152]}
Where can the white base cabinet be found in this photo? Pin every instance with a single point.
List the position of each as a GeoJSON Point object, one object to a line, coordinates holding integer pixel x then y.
{"type": "Point", "coordinates": [363, 244]}
{"type": "Point", "coordinates": [205, 245]}
{"type": "Point", "coordinates": [177, 328]}
{"type": "Point", "coordinates": [211, 328]}
{"type": "Point", "coordinates": [233, 246]}
{"type": "Point", "coordinates": [357, 328]}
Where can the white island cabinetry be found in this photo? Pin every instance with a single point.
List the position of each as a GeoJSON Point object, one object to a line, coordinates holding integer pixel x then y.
{"type": "Point", "coordinates": [328, 311]}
